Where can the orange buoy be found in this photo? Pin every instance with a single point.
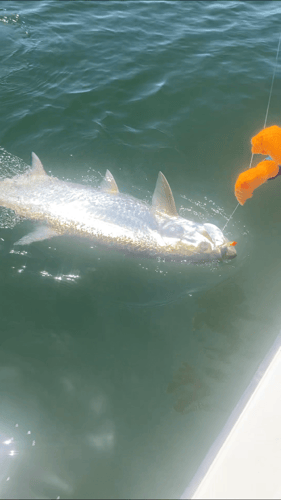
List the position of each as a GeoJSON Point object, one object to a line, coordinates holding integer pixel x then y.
{"type": "Point", "coordinates": [252, 178]}
{"type": "Point", "coordinates": [268, 142]}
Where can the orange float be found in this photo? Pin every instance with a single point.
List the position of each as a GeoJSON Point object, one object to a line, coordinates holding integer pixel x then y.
{"type": "Point", "coordinates": [252, 178]}
{"type": "Point", "coordinates": [268, 142]}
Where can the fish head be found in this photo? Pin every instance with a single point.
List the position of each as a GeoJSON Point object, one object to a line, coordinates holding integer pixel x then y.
{"type": "Point", "coordinates": [197, 242]}
{"type": "Point", "coordinates": [184, 239]}
{"type": "Point", "coordinates": [223, 245]}
{"type": "Point", "coordinates": [228, 251]}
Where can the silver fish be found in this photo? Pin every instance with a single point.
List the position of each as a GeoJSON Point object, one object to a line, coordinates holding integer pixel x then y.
{"type": "Point", "coordinates": [108, 217]}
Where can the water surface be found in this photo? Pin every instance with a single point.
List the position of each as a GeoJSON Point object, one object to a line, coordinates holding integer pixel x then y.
{"type": "Point", "coordinates": [116, 373]}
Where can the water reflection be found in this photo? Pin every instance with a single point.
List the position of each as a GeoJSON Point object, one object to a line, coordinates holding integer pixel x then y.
{"type": "Point", "coordinates": [104, 439]}
{"type": "Point", "coordinates": [10, 448]}
{"type": "Point", "coordinates": [8, 441]}
{"type": "Point", "coordinates": [37, 453]}
{"type": "Point", "coordinates": [99, 404]}
{"type": "Point", "coordinates": [35, 476]}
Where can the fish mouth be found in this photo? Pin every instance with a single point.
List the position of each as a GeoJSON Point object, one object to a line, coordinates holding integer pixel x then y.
{"type": "Point", "coordinates": [228, 252]}
{"type": "Point", "coordinates": [221, 243]}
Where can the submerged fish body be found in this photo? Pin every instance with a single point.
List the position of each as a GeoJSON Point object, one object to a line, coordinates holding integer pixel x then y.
{"type": "Point", "coordinates": [111, 218]}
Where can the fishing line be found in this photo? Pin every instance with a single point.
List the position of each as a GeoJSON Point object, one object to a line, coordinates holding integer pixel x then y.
{"type": "Point", "coordinates": [266, 115]}
{"type": "Point", "coordinates": [273, 76]}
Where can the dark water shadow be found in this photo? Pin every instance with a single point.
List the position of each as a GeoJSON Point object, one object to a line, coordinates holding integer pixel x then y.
{"type": "Point", "coordinates": [216, 326]}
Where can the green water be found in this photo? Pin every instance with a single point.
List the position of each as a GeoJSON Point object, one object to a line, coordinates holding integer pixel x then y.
{"type": "Point", "coordinates": [117, 373]}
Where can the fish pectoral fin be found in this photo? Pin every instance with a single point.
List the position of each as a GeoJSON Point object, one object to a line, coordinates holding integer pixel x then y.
{"type": "Point", "coordinates": [39, 234]}
{"type": "Point", "coordinates": [108, 184]}
{"type": "Point", "coordinates": [162, 198]}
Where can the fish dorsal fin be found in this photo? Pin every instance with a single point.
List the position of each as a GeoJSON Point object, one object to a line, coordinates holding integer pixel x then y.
{"type": "Point", "coordinates": [108, 184]}
{"type": "Point", "coordinates": [162, 198]}
{"type": "Point", "coordinates": [36, 166]}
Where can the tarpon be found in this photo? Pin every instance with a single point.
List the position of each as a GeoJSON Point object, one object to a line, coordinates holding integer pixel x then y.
{"type": "Point", "coordinates": [111, 218]}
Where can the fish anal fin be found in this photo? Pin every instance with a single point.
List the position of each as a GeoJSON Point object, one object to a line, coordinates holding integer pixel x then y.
{"type": "Point", "coordinates": [39, 234]}
{"type": "Point", "coordinates": [108, 184]}
{"type": "Point", "coordinates": [162, 198]}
